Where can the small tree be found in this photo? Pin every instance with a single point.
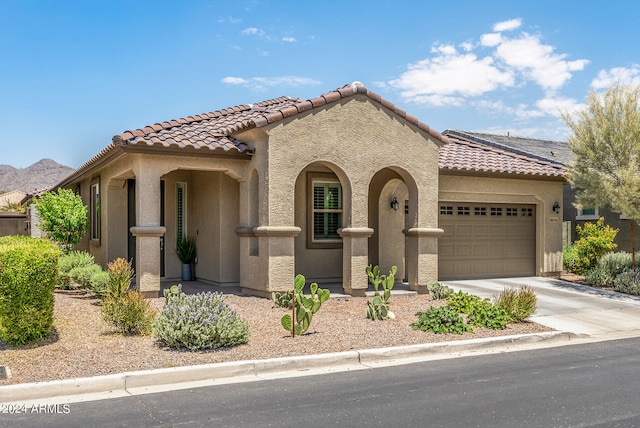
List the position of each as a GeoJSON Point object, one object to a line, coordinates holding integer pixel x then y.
{"type": "Point", "coordinates": [63, 217]}
{"type": "Point", "coordinates": [596, 239]}
{"type": "Point", "coordinates": [605, 142]}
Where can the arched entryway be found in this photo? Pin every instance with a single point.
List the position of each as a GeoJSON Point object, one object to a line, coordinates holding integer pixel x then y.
{"type": "Point", "coordinates": [322, 209]}
{"type": "Point", "coordinates": [390, 208]}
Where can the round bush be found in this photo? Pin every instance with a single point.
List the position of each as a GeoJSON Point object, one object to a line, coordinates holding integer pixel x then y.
{"type": "Point", "coordinates": [628, 282]}
{"type": "Point", "coordinates": [199, 321]}
{"type": "Point", "coordinates": [28, 276]}
{"type": "Point", "coordinates": [99, 283]}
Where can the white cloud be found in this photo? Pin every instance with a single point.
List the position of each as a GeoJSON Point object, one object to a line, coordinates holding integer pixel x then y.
{"type": "Point", "coordinates": [234, 80]}
{"type": "Point", "coordinates": [512, 24]}
{"type": "Point", "coordinates": [537, 61]}
{"type": "Point", "coordinates": [253, 31]}
{"type": "Point", "coordinates": [263, 83]}
{"type": "Point", "coordinates": [555, 106]}
{"type": "Point", "coordinates": [289, 39]}
{"type": "Point", "coordinates": [491, 39]}
{"type": "Point", "coordinates": [607, 78]}
{"type": "Point", "coordinates": [500, 61]}
{"type": "Point", "coordinates": [450, 77]}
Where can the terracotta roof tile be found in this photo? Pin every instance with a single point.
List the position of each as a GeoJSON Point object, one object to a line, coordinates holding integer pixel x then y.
{"type": "Point", "coordinates": [468, 156]}
{"type": "Point", "coordinates": [213, 130]}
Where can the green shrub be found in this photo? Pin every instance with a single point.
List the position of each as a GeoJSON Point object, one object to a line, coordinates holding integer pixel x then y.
{"type": "Point", "coordinates": [63, 217]}
{"type": "Point", "coordinates": [438, 291]}
{"type": "Point", "coordinates": [463, 302]}
{"type": "Point", "coordinates": [120, 274]}
{"type": "Point", "coordinates": [570, 259]}
{"type": "Point", "coordinates": [520, 304]}
{"type": "Point", "coordinates": [440, 320]}
{"type": "Point", "coordinates": [200, 321]}
{"type": "Point", "coordinates": [70, 261]}
{"type": "Point", "coordinates": [595, 240]}
{"type": "Point", "coordinates": [82, 274]}
{"type": "Point", "coordinates": [609, 266]}
{"type": "Point", "coordinates": [28, 275]}
{"type": "Point", "coordinates": [99, 283]}
{"type": "Point", "coordinates": [489, 316]}
{"type": "Point", "coordinates": [628, 282]}
{"type": "Point", "coordinates": [129, 313]}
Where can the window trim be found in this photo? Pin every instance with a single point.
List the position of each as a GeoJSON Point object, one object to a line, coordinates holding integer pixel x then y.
{"type": "Point", "coordinates": [594, 216]}
{"type": "Point", "coordinates": [312, 243]}
{"type": "Point", "coordinates": [95, 202]}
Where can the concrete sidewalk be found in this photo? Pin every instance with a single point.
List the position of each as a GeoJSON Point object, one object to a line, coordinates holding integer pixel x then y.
{"type": "Point", "coordinates": [579, 314]}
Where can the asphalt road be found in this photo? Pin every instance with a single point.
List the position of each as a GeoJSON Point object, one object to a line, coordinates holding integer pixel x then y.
{"type": "Point", "coordinates": [586, 385]}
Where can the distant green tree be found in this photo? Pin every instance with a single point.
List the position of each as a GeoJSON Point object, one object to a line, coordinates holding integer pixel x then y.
{"type": "Point", "coordinates": [63, 217]}
{"type": "Point", "coordinates": [605, 142]}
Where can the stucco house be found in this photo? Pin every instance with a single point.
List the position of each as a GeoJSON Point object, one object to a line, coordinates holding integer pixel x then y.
{"type": "Point", "coordinates": [321, 187]}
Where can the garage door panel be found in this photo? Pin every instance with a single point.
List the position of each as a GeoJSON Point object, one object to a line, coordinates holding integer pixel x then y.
{"type": "Point", "coordinates": [480, 230]}
{"type": "Point", "coordinates": [462, 230]}
{"type": "Point", "coordinates": [488, 242]}
{"type": "Point", "coordinates": [462, 250]}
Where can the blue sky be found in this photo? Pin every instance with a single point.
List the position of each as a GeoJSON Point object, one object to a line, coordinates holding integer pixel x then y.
{"type": "Point", "coordinates": [75, 73]}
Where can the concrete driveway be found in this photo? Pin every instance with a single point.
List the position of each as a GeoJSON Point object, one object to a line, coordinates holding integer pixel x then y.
{"type": "Point", "coordinates": [566, 306]}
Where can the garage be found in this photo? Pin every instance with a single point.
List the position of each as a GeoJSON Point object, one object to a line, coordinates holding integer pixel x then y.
{"type": "Point", "coordinates": [486, 240]}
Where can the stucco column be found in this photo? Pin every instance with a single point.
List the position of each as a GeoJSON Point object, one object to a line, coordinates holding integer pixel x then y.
{"type": "Point", "coordinates": [421, 256]}
{"type": "Point", "coordinates": [355, 259]}
{"type": "Point", "coordinates": [148, 259]}
{"type": "Point", "coordinates": [148, 232]}
{"type": "Point", "coordinates": [273, 269]}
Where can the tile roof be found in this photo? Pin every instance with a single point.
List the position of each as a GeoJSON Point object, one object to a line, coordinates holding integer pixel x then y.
{"type": "Point", "coordinates": [548, 150]}
{"type": "Point", "coordinates": [461, 155]}
{"type": "Point", "coordinates": [214, 131]}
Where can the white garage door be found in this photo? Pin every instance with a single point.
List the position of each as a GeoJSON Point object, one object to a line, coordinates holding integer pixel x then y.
{"type": "Point", "coordinates": [486, 241]}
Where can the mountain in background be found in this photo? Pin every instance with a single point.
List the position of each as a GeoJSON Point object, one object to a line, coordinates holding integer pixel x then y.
{"type": "Point", "coordinates": [41, 175]}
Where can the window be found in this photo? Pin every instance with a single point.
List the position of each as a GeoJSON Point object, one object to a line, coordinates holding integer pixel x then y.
{"type": "Point", "coordinates": [327, 210]}
{"type": "Point", "coordinates": [512, 212]}
{"type": "Point", "coordinates": [94, 204]}
{"type": "Point", "coordinates": [588, 214]}
{"type": "Point", "coordinates": [181, 210]}
{"type": "Point", "coordinates": [496, 211]}
{"type": "Point", "coordinates": [526, 212]}
{"type": "Point", "coordinates": [446, 210]}
{"type": "Point", "coordinates": [480, 211]}
{"type": "Point", "coordinates": [324, 215]}
{"type": "Point", "coordinates": [463, 211]}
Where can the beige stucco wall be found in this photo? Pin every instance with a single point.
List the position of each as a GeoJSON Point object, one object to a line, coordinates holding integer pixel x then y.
{"type": "Point", "coordinates": [501, 190]}
{"type": "Point", "coordinates": [354, 138]}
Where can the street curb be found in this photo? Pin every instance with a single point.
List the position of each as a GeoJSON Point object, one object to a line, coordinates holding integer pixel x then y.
{"type": "Point", "coordinates": [124, 382]}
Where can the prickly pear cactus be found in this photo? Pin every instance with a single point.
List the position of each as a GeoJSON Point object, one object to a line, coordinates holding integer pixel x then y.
{"type": "Point", "coordinates": [387, 281]}
{"type": "Point", "coordinates": [174, 290]}
{"type": "Point", "coordinates": [282, 300]}
{"type": "Point", "coordinates": [305, 306]}
{"type": "Point", "coordinates": [378, 309]}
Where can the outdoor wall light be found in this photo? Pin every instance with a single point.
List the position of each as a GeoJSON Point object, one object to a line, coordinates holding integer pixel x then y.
{"type": "Point", "coordinates": [556, 208]}
{"type": "Point", "coordinates": [394, 203]}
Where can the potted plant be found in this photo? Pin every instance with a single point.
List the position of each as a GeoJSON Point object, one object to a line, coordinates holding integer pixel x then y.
{"type": "Point", "coordinates": [186, 251]}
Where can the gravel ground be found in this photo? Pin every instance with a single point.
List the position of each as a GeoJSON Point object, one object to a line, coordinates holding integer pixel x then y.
{"type": "Point", "coordinates": [82, 344]}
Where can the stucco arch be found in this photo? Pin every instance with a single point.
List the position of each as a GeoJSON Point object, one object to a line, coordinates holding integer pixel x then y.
{"type": "Point", "coordinates": [318, 262]}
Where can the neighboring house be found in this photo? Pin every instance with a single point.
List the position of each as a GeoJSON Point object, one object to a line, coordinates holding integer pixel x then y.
{"type": "Point", "coordinates": [12, 222]}
{"type": "Point", "coordinates": [321, 187]}
{"type": "Point", "coordinates": [13, 197]}
{"type": "Point", "coordinates": [556, 152]}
